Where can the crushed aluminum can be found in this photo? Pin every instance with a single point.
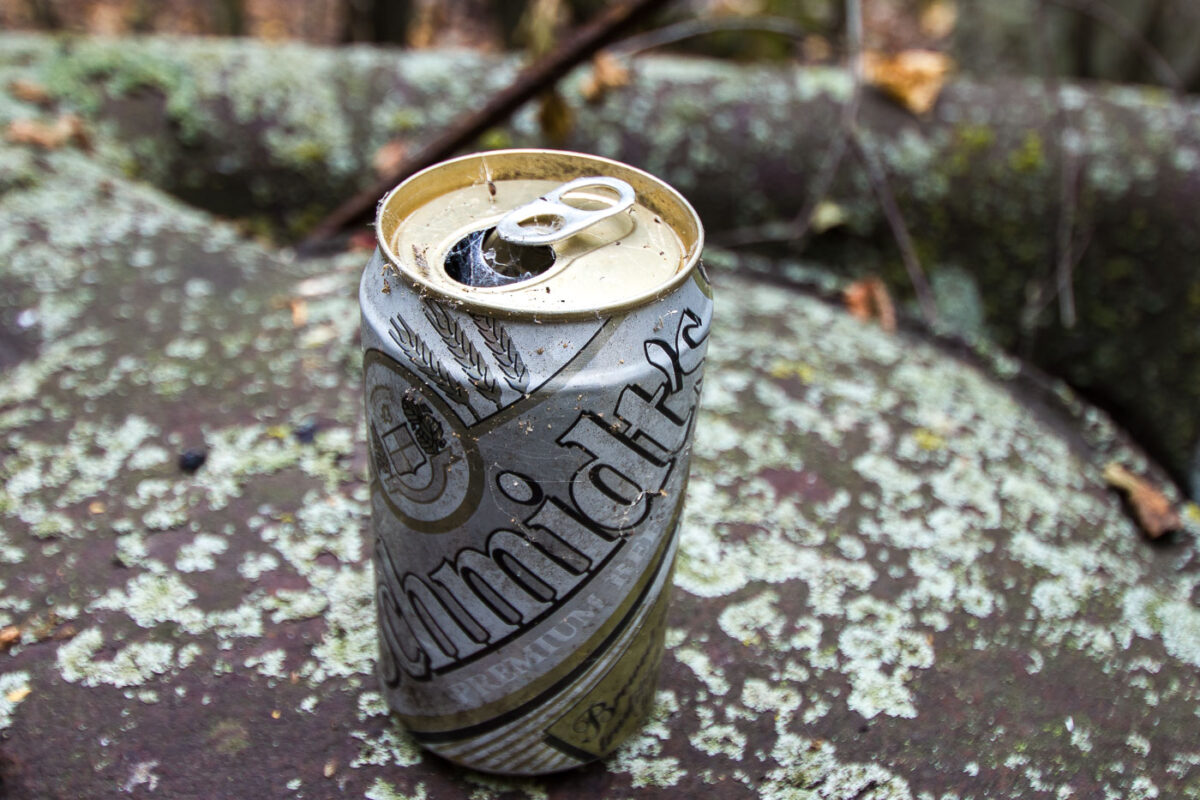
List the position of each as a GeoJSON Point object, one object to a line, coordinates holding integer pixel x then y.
{"type": "Point", "coordinates": [534, 329]}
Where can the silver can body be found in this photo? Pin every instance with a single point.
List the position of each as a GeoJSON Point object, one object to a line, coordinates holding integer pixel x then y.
{"type": "Point", "coordinates": [527, 479]}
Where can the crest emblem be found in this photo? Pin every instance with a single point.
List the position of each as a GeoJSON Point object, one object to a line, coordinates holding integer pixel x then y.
{"type": "Point", "coordinates": [429, 471]}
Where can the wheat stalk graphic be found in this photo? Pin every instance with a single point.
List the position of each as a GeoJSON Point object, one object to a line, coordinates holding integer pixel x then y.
{"type": "Point", "coordinates": [508, 358]}
{"type": "Point", "coordinates": [420, 355]}
{"type": "Point", "coordinates": [465, 353]}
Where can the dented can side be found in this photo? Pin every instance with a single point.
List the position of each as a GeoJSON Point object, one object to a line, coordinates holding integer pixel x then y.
{"type": "Point", "coordinates": [527, 481]}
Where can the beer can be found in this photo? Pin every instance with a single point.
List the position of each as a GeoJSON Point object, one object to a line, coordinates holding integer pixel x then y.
{"type": "Point", "coordinates": [534, 328]}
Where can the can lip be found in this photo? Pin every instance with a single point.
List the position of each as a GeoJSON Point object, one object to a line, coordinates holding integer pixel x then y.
{"type": "Point", "coordinates": [427, 185]}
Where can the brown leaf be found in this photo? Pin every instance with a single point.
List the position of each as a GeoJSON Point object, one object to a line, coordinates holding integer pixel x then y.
{"type": "Point", "coordinates": [1151, 508]}
{"type": "Point", "coordinates": [29, 91]}
{"type": "Point", "coordinates": [555, 117]}
{"type": "Point", "coordinates": [938, 18]}
{"type": "Point", "coordinates": [299, 308]}
{"type": "Point", "coordinates": [17, 695]}
{"type": "Point", "coordinates": [541, 24]}
{"type": "Point", "coordinates": [913, 77]}
{"type": "Point", "coordinates": [607, 74]}
{"type": "Point", "coordinates": [868, 299]}
{"type": "Point", "coordinates": [9, 635]}
{"type": "Point", "coordinates": [389, 157]}
{"type": "Point", "coordinates": [68, 128]}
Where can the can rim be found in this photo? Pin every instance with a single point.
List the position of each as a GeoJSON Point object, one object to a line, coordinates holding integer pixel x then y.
{"type": "Point", "coordinates": [683, 216]}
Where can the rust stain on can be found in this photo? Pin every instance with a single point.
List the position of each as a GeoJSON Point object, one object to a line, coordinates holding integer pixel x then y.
{"type": "Point", "coordinates": [530, 405]}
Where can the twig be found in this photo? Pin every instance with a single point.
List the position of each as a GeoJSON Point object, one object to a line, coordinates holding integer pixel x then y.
{"type": "Point", "coordinates": [1069, 201]}
{"type": "Point", "coordinates": [849, 137]}
{"type": "Point", "coordinates": [1132, 65]}
{"type": "Point", "coordinates": [692, 28]}
{"type": "Point", "coordinates": [887, 202]}
{"type": "Point", "coordinates": [531, 82]}
{"type": "Point", "coordinates": [1070, 170]}
{"type": "Point", "coordinates": [1047, 292]}
{"type": "Point", "coordinates": [798, 230]}
{"type": "Point", "coordinates": [1116, 22]}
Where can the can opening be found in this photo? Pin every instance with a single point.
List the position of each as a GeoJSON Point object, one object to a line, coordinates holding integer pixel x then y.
{"type": "Point", "coordinates": [484, 259]}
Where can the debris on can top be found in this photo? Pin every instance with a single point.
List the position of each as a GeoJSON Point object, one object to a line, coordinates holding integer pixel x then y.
{"type": "Point", "coordinates": [539, 232]}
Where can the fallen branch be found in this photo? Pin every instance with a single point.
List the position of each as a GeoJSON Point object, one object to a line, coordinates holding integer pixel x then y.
{"type": "Point", "coordinates": [532, 81]}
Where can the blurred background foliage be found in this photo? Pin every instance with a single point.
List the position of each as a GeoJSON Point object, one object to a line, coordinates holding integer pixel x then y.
{"type": "Point", "coordinates": [1087, 39]}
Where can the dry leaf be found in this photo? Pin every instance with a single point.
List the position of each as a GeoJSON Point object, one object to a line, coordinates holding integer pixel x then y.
{"type": "Point", "coordinates": [29, 91]}
{"type": "Point", "coordinates": [422, 31]}
{"type": "Point", "coordinates": [96, 507]}
{"type": "Point", "coordinates": [541, 24]}
{"type": "Point", "coordinates": [555, 117]}
{"type": "Point", "coordinates": [299, 310]}
{"type": "Point", "coordinates": [9, 635]}
{"type": "Point", "coordinates": [827, 215]}
{"type": "Point", "coordinates": [868, 299]}
{"type": "Point", "coordinates": [389, 157]}
{"type": "Point", "coordinates": [607, 74]}
{"type": "Point", "coordinates": [913, 77]}
{"type": "Point", "coordinates": [1151, 508]}
{"type": "Point", "coordinates": [939, 18]}
{"type": "Point", "coordinates": [68, 128]}
{"type": "Point", "coordinates": [17, 695]}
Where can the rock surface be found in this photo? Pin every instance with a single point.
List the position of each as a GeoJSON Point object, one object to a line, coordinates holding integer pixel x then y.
{"type": "Point", "coordinates": [279, 134]}
{"type": "Point", "coordinates": [900, 574]}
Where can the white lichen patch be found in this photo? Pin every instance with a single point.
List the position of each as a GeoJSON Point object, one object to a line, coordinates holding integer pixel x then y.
{"type": "Point", "coordinates": [198, 554]}
{"type": "Point", "coordinates": [290, 605]}
{"type": "Point", "coordinates": [254, 565]}
{"type": "Point", "coordinates": [389, 747]}
{"type": "Point", "coordinates": [269, 664]}
{"type": "Point", "coordinates": [383, 790]}
{"type": "Point", "coordinates": [703, 667]}
{"type": "Point", "coordinates": [150, 599]}
{"type": "Point", "coordinates": [14, 688]}
{"type": "Point", "coordinates": [1176, 622]}
{"type": "Point", "coordinates": [749, 622]}
{"type": "Point", "coordinates": [491, 787]}
{"type": "Point", "coordinates": [132, 665]}
{"type": "Point", "coordinates": [719, 739]}
{"type": "Point", "coordinates": [811, 768]}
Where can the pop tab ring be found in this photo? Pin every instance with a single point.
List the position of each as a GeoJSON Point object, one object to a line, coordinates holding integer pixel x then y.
{"type": "Point", "coordinates": [550, 219]}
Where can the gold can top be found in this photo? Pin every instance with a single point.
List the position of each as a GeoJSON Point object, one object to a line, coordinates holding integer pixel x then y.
{"type": "Point", "coordinates": [543, 233]}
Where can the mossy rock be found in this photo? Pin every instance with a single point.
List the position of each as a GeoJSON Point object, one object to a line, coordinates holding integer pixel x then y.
{"type": "Point", "coordinates": [277, 134]}
{"type": "Point", "coordinates": [900, 575]}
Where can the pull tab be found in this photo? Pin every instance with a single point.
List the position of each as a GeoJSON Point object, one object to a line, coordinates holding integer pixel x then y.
{"type": "Point", "coordinates": [551, 219]}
